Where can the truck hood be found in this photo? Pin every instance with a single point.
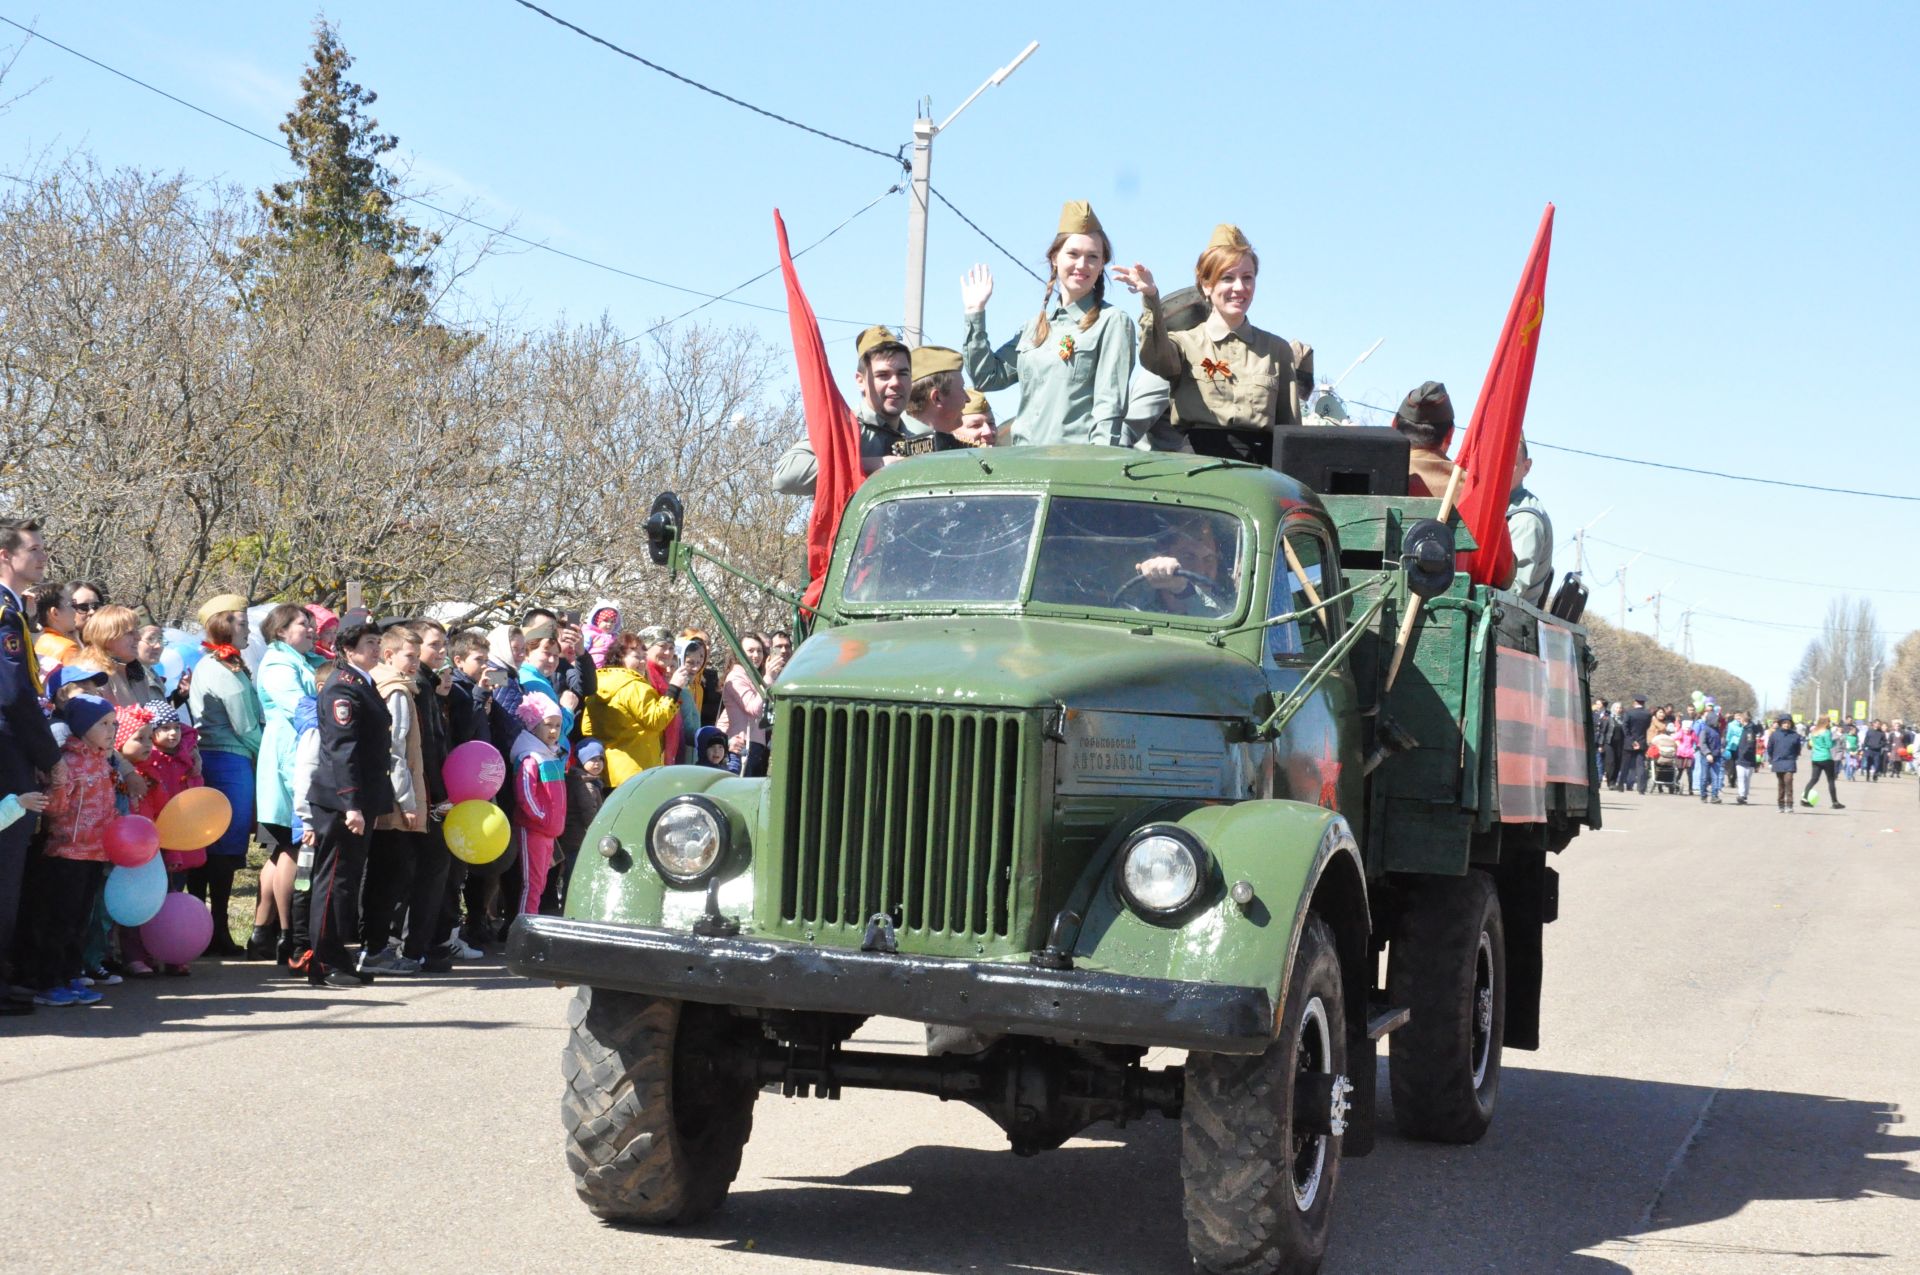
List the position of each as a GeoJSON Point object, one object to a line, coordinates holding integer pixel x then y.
{"type": "Point", "coordinates": [995, 662]}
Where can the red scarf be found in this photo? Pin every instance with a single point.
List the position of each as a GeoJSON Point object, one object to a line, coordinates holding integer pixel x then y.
{"type": "Point", "coordinates": [670, 737]}
{"type": "Point", "coordinates": [225, 653]}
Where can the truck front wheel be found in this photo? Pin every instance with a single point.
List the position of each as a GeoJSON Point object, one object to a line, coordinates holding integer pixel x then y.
{"type": "Point", "coordinates": [658, 1105]}
{"type": "Point", "coordinates": [1448, 965]}
{"type": "Point", "coordinates": [1260, 1133]}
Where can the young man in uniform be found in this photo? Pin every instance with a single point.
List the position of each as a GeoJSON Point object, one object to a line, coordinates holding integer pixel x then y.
{"type": "Point", "coordinates": [938, 402]}
{"type": "Point", "coordinates": [885, 376]}
{"type": "Point", "coordinates": [350, 790]}
{"type": "Point", "coordinates": [26, 740]}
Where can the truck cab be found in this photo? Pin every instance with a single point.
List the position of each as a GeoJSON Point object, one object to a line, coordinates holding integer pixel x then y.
{"type": "Point", "coordinates": [1090, 751]}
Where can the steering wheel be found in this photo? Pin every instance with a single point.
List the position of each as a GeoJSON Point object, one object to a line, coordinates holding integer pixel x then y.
{"type": "Point", "coordinates": [1203, 586]}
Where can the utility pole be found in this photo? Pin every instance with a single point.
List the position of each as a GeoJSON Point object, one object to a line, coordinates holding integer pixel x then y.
{"type": "Point", "coordinates": [1871, 670]}
{"type": "Point", "coordinates": [1580, 543]}
{"type": "Point", "coordinates": [924, 131]}
{"type": "Point", "coordinates": [1686, 635]}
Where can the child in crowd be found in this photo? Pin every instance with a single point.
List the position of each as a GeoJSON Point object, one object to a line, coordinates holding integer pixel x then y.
{"type": "Point", "coordinates": [603, 628]}
{"type": "Point", "coordinates": [540, 792]}
{"type": "Point", "coordinates": [15, 806]}
{"type": "Point", "coordinates": [586, 790]}
{"type": "Point", "coordinates": [306, 760]}
{"type": "Point", "coordinates": [710, 749]}
{"type": "Point", "coordinates": [66, 878]}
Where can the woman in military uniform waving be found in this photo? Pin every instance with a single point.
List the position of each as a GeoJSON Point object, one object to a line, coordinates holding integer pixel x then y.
{"type": "Point", "coordinates": [1231, 381]}
{"type": "Point", "coordinates": [1073, 359]}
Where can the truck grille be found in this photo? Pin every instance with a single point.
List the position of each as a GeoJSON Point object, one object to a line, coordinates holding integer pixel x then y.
{"type": "Point", "coordinates": [915, 812]}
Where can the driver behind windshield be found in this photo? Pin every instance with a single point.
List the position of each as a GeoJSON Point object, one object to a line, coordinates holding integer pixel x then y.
{"type": "Point", "coordinates": [1183, 576]}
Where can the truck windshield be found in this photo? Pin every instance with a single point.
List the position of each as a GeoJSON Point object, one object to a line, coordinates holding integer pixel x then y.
{"type": "Point", "coordinates": [1139, 556]}
{"type": "Point", "coordinates": [943, 549]}
{"type": "Point", "coordinates": [1120, 554]}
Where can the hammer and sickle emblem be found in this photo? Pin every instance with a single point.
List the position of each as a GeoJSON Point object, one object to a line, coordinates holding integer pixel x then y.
{"type": "Point", "coordinates": [1531, 313]}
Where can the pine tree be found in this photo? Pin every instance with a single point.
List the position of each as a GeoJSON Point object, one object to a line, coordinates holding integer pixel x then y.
{"type": "Point", "coordinates": [342, 201]}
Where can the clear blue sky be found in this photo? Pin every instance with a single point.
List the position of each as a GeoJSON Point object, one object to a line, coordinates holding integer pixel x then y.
{"type": "Point", "coordinates": [1734, 257]}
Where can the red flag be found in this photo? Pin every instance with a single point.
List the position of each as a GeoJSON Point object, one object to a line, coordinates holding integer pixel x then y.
{"type": "Point", "coordinates": [830, 426]}
{"type": "Point", "coordinates": [1493, 439]}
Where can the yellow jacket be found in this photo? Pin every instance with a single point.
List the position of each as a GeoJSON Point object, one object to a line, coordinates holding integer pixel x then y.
{"type": "Point", "coordinates": [628, 717]}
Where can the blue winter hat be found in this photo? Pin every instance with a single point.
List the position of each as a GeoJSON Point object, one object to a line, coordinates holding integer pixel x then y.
{"type": "Point", "coordinates": [84, 712]}
{"type": "Point", "coordinates": [589, 749]}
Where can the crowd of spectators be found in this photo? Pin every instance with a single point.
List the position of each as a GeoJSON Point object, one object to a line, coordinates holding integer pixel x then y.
{"type": "Point", "coordinates": [98, 725]}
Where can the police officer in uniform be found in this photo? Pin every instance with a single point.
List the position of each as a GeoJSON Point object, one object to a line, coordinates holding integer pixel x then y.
{"type": "Point", "coordinates": [27, 750]}
{"type": "Point", "coordinates": [350, 790]}
{"type": "Point", "coordinates": [885, 377]}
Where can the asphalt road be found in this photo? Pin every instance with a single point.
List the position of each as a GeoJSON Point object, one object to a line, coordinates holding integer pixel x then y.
{"type": "Point", "coordinates": [1731, 1050]}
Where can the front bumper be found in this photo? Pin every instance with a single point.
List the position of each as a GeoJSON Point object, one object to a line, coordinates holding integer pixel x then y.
{"type": "Point", "coordinates": [985, 996]}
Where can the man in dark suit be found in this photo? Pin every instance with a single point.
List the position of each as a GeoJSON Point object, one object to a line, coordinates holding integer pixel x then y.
{"type": "Point", "coordinates": [1634, 723]}
{"type": "Point", "coordinates": [351, 789]}
{"type": "Point", "coordinates": [27, 750]}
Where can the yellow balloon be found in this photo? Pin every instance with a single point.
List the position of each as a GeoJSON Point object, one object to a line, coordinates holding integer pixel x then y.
{"type": "Point", "coordinates": [194, 819]}
{"type": "Point", "coordinates": [477, 832]}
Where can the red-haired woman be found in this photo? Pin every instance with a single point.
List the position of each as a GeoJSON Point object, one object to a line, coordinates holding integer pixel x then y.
{"type": "Point", "coordinates": [1231, 381]}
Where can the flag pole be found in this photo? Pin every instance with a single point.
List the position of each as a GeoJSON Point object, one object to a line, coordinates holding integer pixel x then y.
{"type": "Point", "coordinates": [1413, 611]}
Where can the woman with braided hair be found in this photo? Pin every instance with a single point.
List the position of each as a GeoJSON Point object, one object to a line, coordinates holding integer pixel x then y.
{"type": "Point", "coordinates": [1072, 361]}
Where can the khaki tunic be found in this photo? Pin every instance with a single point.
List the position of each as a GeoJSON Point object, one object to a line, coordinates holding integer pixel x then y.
{"type": "Point", "coordinates": [1428, 470]}
{"type": "Point", "coordinates": [1257, 391]}
{"type": "Point", "coordinates": [798, 469]}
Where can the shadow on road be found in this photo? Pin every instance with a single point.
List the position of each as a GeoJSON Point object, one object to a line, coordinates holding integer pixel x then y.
{"type": "Point", "coordinates": [1575, 1163]}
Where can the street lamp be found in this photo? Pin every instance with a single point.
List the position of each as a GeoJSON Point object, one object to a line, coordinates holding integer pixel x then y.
{"type": "Point", "coordinates": [924, 130]}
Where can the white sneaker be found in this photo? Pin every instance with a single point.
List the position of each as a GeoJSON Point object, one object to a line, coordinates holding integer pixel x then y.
{"type": "Point", "coordinates": [460, 949]}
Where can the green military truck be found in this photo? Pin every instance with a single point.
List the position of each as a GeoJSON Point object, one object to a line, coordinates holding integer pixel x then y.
{"type": "Point", "coordinates": [1088, 752]}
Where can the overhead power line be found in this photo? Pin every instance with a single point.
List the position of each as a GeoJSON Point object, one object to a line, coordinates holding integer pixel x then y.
{"type": "Point", "coordinates": [502, 232]}
{"type": "Point", "coordinates": [894, 189]}
{"type": "Point", "coordinates": [1748, 575]}
{"type": "Point", "coordinates": [898, 156]}
{"type": "Point", "coordinates": [984, 235]}
{"type": "Point", "coordinates": [1715, 473]}
{"type": "Point", "coordinates": [1687, 469]}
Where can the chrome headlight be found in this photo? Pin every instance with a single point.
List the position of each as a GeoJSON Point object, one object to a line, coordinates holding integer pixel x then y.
{"type": "Point", "coordinates": [1162, 870]}
{"type": "Point", "coordinates": [687, 838]}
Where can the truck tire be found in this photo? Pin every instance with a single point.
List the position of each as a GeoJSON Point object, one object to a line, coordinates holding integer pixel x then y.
{"type": "Point", "coordinates": [1259, 1197]}
{"type": "Point", "coordinates": [1448, 965]}
{"type": "Point", "coordinates": [655, 1116]}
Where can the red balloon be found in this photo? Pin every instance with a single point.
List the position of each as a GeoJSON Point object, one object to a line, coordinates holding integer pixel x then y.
{"type": "Point", "coordinates": [131, 840]}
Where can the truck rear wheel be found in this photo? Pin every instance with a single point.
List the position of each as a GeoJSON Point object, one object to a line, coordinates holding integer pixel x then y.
{"type": "Point", "coordinates": [1448, 965]}
{"type": "Point", "coordinates": [658, 1105]}
{"type": "Point", "coordinates": [1258, 1164]}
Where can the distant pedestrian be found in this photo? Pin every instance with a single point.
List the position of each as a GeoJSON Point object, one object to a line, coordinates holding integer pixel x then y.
{"type": "Point", "coordinates": [1783, 755]}
{"type": "Point", "coordinates": [1820, 748]}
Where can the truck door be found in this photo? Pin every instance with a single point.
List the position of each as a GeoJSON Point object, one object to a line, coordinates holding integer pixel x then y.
{"type": "Point", "coordinates": [1317, 757]}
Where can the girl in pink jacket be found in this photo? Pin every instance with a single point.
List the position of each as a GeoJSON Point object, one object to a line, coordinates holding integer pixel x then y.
{"type": "Point", "coordinates": [540, 811]}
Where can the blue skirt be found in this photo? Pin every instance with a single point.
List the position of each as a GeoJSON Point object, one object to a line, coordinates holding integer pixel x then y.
{"type": "Point", "coordinates": [232, 774]}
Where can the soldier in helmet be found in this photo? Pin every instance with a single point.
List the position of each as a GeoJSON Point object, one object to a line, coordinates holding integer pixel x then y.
{"type": "Point", "coordinates": [884, 378]}
{"type": "Point", "coordinates": [1071, 360]}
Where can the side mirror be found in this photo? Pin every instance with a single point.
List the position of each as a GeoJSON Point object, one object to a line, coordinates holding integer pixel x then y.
{"type": "Point", "coordinates": [663, 525]}
{"type": "Point", "coordinates": [1426, 551]}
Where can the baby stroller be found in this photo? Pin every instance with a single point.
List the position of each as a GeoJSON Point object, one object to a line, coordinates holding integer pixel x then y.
{"type": "Point", "coordinates": [1664, 756]}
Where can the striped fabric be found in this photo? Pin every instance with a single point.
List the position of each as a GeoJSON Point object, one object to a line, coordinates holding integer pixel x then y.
{"type": "Point", "coordinates": [1520, 714]}
{"type": "Point", "coordinates": [1567, 721]}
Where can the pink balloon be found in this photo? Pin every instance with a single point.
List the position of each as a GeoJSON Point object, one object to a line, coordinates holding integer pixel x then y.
{"type": "Point", "coordinates": [473, 772]}
{"type": "Point", "coordinates": [180, 931]}
{"type": "Point", "coordinates": [131, 840]}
